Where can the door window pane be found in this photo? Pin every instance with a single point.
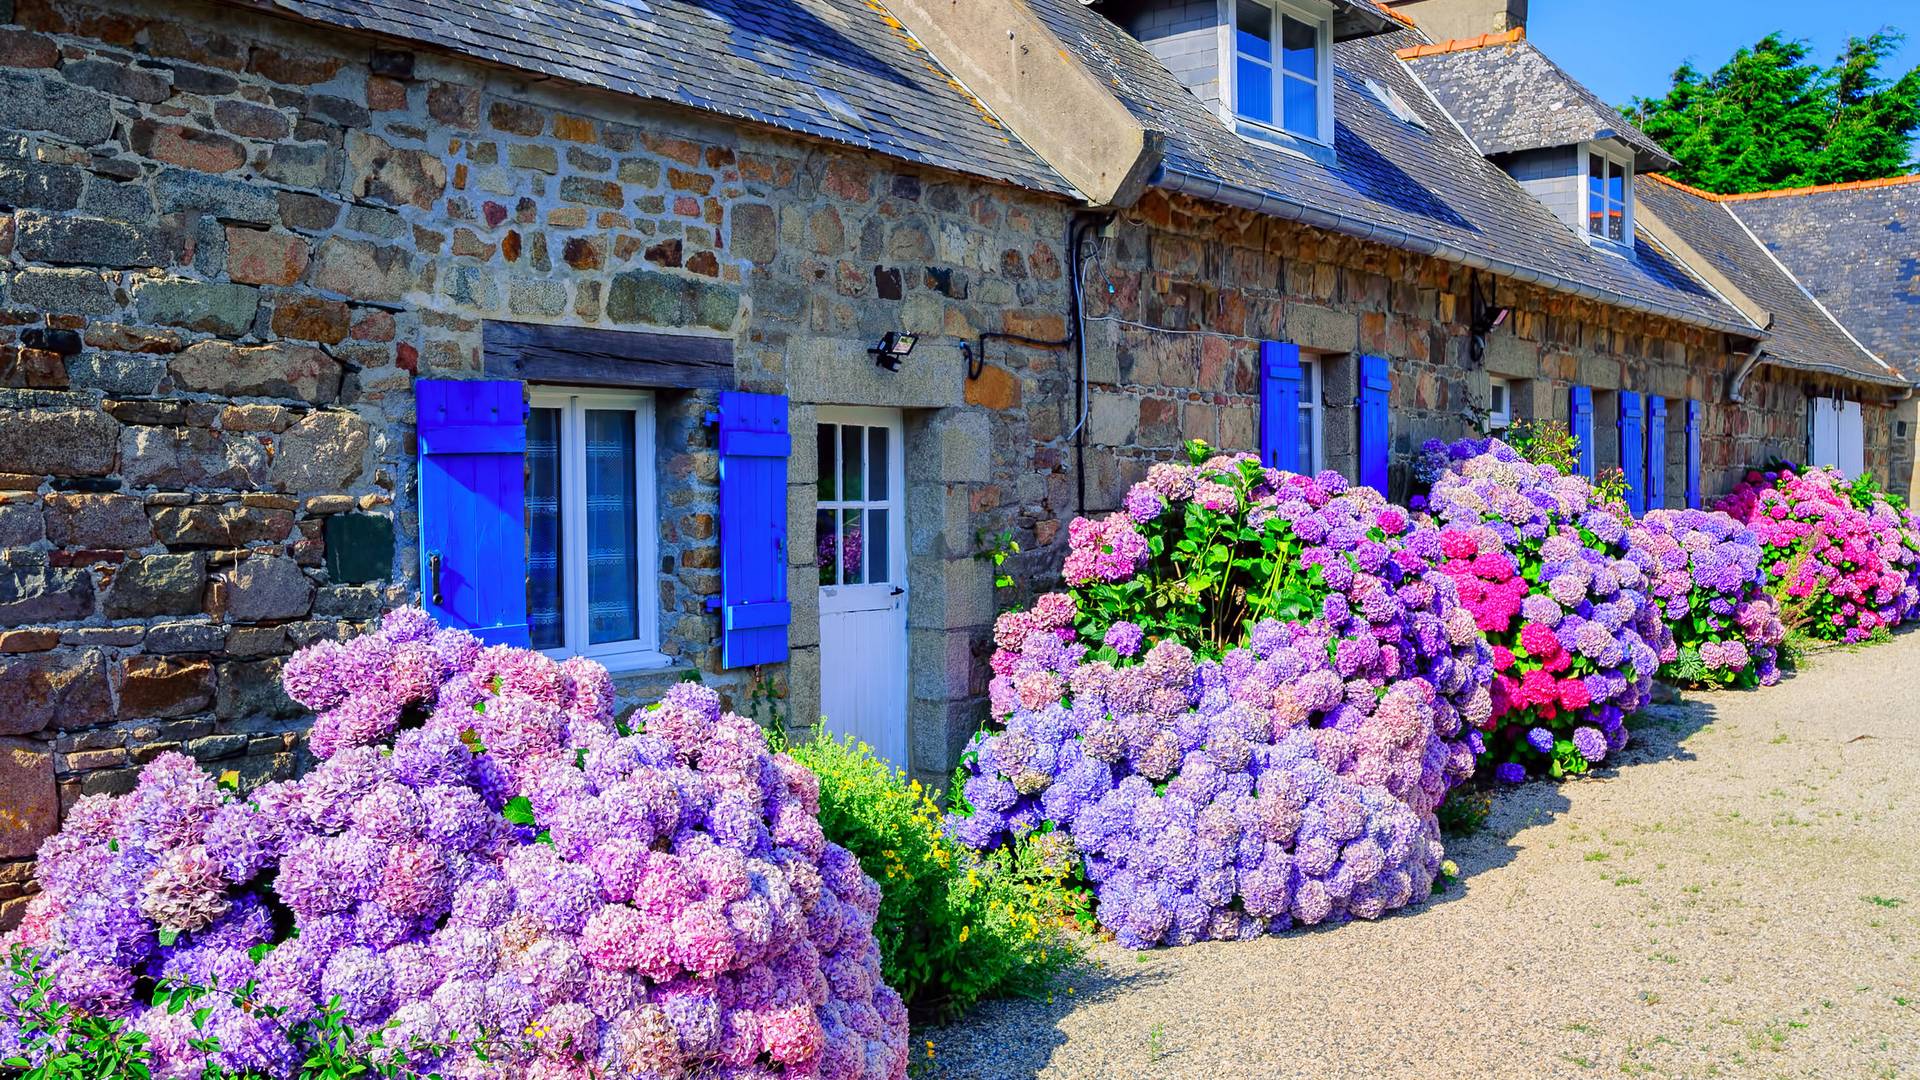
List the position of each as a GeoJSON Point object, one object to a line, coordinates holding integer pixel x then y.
{"type": "Point", "coordinates": [879, 485]}
{"type": "Point", "coordinates": [613, 565]}
{"type": "Point", "coordinates": [544, 608]}
{"type": "Point", "coordinates": [852, 464]}
{"type": "Point", "coordinates": [829, 441]}
{"type": "Point", "coordinates": [1300, 48]}
{"type": "Point", "coordinates": [852, 548]}
{"type": "Point", "coordinates": [878, 541]}
{"type": "Point", "coordinates": [827, 544]}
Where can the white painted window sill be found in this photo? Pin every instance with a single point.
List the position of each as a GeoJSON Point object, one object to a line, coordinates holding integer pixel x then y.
{"type": "Point", "coordinates": [622, 663]}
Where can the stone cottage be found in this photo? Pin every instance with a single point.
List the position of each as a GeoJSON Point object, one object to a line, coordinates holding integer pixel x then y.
{"type": "Point", "coordinates": [729, 339]}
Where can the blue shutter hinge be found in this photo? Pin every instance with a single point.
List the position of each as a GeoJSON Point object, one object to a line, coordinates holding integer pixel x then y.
{"type": "Point", "coordinates": [710, 417]}
{"type": "Point", "coordinates": [713, 604]}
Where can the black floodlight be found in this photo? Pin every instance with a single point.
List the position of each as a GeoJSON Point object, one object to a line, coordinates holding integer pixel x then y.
{"type": "Point", "coordinates": [892, 349]}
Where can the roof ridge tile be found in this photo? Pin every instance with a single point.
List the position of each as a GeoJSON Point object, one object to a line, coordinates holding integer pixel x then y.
{"type": "Point", "coordinates": [1815, 189]}
{"type": "Point", "coordinates": [1454, 45]}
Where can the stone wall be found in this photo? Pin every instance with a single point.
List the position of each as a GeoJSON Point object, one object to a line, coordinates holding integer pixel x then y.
{"type": "Point", "coordinates": [230, 245]}
{"type": "Point", "coordinates": [1227, 279]}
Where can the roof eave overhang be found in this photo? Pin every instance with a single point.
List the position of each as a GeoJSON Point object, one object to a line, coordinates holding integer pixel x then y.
{"type": "Point", "coordinates": [1263, 202]}
{"type": "Point", "coordinates": [1358, 19]}
{"type": "Point", "coordinates": [1835, 370]}
{"type": "Point", "coordinates": [1646, 156]}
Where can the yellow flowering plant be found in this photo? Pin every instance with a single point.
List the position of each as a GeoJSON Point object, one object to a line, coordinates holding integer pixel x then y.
{"type": "Point", "coordinates": [954, 926]}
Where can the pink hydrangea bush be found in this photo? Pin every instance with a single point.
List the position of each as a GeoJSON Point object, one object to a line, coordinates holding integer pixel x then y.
{"type": "Point", "coordinates": [1841, 571]}
{"type": "Point", "coordinates": [1553, 580]}
{"type": "Point", "coordinates": [489, 870]}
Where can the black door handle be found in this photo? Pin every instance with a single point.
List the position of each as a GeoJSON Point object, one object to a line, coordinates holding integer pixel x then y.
{"type": "Point", "coordinates": [897, 590]}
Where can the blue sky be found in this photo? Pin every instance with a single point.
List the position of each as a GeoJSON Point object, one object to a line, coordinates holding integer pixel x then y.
{"type": "Point", "coordinates": [1633, 49]}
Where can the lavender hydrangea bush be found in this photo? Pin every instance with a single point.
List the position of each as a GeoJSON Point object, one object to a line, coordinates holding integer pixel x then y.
{"type": "Point", "coordinates": [1707, 578]}
{"type": "Point", "coordinates": [488, 870]}
{"type": "Point", "coordinates": [1243, 711]}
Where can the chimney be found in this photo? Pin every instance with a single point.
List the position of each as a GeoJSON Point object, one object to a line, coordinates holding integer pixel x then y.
{"type": "Point", "coordinates": [1445, 20]}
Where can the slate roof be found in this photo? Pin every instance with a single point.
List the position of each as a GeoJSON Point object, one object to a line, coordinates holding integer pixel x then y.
{"type": "Point", "coordinates": [1802, 335]}
{"type": "Point", "coordinates": [1857, 248]}
{"type": "Point", "coordinates": [1510, 96]}
{"type": "Point", "coordinates": [1420, 187]}
{"type": "Point", "coordinates": [762, 61]}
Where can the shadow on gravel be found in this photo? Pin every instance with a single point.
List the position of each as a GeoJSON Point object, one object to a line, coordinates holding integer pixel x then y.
{"type": "Point", "coordinates": [1660, 733]}
{"type": "Point", "coordinates": [1014, 1038]}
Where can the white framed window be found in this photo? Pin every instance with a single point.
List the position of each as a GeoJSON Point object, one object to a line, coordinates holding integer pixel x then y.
{"type": "Point", "coordinates": [1609, 196]}
{"type": "Point", "coordinates": [592, 526]}
{"type": "Point", "coordinates": [1313, 456]}
{"type": "Point", "coordinates": [1283, 67]}
{"type": "Point", "coordinates": [1499, 405]}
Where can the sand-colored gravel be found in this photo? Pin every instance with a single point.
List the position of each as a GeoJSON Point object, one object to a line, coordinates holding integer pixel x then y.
{"type": "Point", "coordinates": [1739, 898]}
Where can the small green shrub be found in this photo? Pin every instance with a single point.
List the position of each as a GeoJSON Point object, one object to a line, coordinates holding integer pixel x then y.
{"type": "Point", "coordinates": [1545, 442]}
{"type": "Point", "coordinates": [953, 927]}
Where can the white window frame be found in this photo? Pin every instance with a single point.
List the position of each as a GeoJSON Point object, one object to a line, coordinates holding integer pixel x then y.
{"type": "Point", "coordinates": [1615, 159]}
{"type": "Point", "coordinates": [1321, 19]}
{"type": "Point", "coordinates": [1501, 418]}
{"type": "Point", "coordinates": [641, 652]}
{"type": "Point", "coordinates": [1312, 414]}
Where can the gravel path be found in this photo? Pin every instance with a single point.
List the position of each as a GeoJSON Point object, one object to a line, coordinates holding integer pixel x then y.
{"type": "Point", "coordinates": [1740, 899]}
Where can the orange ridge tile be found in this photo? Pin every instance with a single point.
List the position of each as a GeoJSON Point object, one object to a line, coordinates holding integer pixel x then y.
{"type": "Point", "coordinates": [1517, 34]}
{"type": "Point", "coordinates": [1850, 185]}
{"type": "Point", "coordinates": [1397, 16]}
{"type": "Point", "coordinates": [1749, 196]}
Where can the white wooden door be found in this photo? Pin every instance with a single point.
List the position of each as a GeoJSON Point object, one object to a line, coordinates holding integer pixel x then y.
{"type": "Point", "coordinates": [861, 554]}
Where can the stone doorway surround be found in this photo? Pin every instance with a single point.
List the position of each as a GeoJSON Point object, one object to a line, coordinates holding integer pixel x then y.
{"type": "Point", "coordinates": [947, 450]}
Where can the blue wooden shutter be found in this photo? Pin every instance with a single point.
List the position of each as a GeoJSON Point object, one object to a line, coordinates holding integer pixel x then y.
{"type": "Point", "coordinates": [1375, 387]}
{"type": "Point", "coordinates": [1656, 452]}
{"type": "Point", "coordinates": [1633, 451]}
{"type": "Point", "coordinates": [754, 447]}
{"type": "Point", "coordinates": [1280, 405]}
{"type": "Point", "coordinates": [1580, 423]}
{"type": "Point", "coordinates": [473, 533]}
{"type": "Point", "coordinates": [1694, 420]}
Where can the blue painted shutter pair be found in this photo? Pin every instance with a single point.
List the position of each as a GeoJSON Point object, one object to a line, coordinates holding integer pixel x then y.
{"type": "Point", "coordinates": [1280, 405]}
{"type": "Point", "coordinates": [473, 535]}
{"type": "Point", "coordinates": [1656, 452]}
{"type": "Point", "coordinates": [1633, 451]}
{"type": "Point", "coordinates": [1581, 425]}
{"type": "Point", "coordinates": [754, 446]}
{"type": "Point", "coordinates": [1375, 387]}
{"type": "Point", "coordinates": [1695, 418]}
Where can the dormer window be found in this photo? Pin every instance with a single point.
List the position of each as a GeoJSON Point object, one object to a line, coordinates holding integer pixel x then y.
{"type": "Point", "coordinates": [1609, 197]}
{"type": "Point", "coordinates": [1282, 69]}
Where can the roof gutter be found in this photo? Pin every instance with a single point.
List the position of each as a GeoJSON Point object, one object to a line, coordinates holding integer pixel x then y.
{"type": "Point", "coordinates": [1261, 202]}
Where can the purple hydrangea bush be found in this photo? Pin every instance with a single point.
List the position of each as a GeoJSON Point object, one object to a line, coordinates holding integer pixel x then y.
{"type": "Point", "coordinates": [1576, 648]}
{"type": "Point", "coordinates": [1243, 710]}
{"type": "Point", "coordinates": [1707, 578]}
{"type": "Point", "coordinates": [489, 870]}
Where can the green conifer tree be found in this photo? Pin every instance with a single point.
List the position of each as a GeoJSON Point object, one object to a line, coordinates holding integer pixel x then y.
{"type": "Point", "coordinates": [1771, 118]}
